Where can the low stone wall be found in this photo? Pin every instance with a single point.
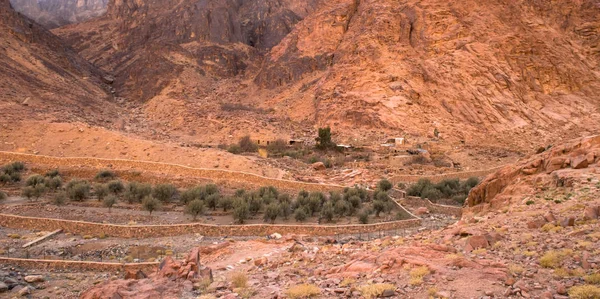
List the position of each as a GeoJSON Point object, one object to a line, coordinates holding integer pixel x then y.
{"type": "Point", "coordinates": [152, 231]}
{"type": "Point", "coordinates": [434, 208]}
{"type": "Point", "coordinates": [438, 177]}
{"type": "Point", "coordinates": [77, 265]}
{"type": "Point", "coordinates": [168, 169]}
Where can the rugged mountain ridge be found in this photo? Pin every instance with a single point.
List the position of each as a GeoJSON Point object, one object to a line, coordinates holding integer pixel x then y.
{"type": "Point", "coordinates": [470, 69]}
{"type": "Point", "coordinates": [41, 78]}
{"type": "Point", "coordinates": [56, 13]}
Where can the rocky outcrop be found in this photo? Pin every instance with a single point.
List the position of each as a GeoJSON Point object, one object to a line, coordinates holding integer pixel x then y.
{"type": "Point", "coordinates": [558, 165]}
{"type": "Point", "coordinates": [171, 280]}
{"type": "Point", "coordinates": [56, 13]}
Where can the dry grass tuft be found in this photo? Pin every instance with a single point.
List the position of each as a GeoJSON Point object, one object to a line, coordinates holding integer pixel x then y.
{"type": "Point", "coordinates": [584, 292]}
{"type": "Point", "coordinates": [239, 280]}
{"type": "Point", "coordinates": [417, 274]}
{"type": "Point", "coordinates": [303, 291]}
{"type": "Point", "coordinates": [593, 278]}
{"type": "Point", "coordinates": [375, 290]}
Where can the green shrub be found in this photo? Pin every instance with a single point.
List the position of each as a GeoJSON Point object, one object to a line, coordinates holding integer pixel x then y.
{"type": "Point", "coordinates": [234, 149]}
{"type": "Point", "coordinates": [384, 185]}
{"type": "Point", "coordinates": [355, 201]}
{"type": "Point", "coordinates": [254, 204]}
{"type": "Point", "coordinates": [278, 146]}
{"type": "Point", "coordinates": [363, 217]}
{"type": "Point", "coordinates": [241, 212]}
{"type": "Point", "coordinates": [195, 208]}
{"type": "Point", "coordinates": [226, 203]}
{"type": "Point", "coordinates": [342, 208]}
{"type": "Point", "coordinates": [15, 177]}
{"type": "Point", "coordinates": [53, 183]}
{"type": "Point", "coordinates": [136, 192]}
{"type": "Point", "coordinates": [211, 189]}
{"type": "Point", "coordinates": [300, 215]}
{"type": "Point", "coordinates": [328, 211]}
{"type": "Point", "coordinates": [59, 199]}
{"type": "Point", "coordinates": [150, 204]}
{"type": "Point", "coordinates": [35, 180]}
{"type": "Point", "coordinates": [448, 187]}
{"type": "Point", "coordinates": [460, 199]}
{"type": "Point", "coordinates": [212, 201]}
{"type": "Point", "coordinates": [286, 209]}
{"type": "Point", "coordinates": [116, 186]}
{"type": "Point", "coordinates": [5, 178]}
{"type": "Point", "coordinates": [271, 212]}
{"type": "Point", "coordinates": [378, 206]}
{"type": "Point", "coordinates": [28, 192]}
{"type": "Point", "coordinates": [417, 189]}
{"type": "Point", "coordinates": [78, 190]}
{"type": "Point", "coordinates": [431, 193]}
{"type": "Point", "coordinates": [101, 191]}
{"type": "Point", "coordinates": [247, 145]}
{"type": "Point", "coordinates": [3, 196]}
{"type": "Point", "coordinates": [530, 202]}
{"type": "Point", "coordinates": [324, 140]}
{"type": "Point", "coordinates": [109, 201]}
{"type": "Point", "coordinates": [14, 167]}
{"type": "Point", "coordinates": [383, 196]}
{"type": "Point", "coordinates": [105, 175]}
{"type": "Point", "coordinates": [53, 173]}
{"type": "Point", "coordinates": [164, 192]}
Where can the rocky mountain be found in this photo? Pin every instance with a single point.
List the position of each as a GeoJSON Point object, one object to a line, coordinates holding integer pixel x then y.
{"type": "Point", "coordinates": [41, 78]}
{"type": "Point", "coordinates": [56, 13]}
{"type": "Point", "coordinates": [518, 71]}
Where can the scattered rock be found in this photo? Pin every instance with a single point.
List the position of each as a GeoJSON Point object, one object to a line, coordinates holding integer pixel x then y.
{"type": "Point", "coordinates": [34, 278]}
{"type": "Point", "coordinates": [3, 287]}
{"type": "Point", "coordinates": [261, 261]}
{"type": "Point", "coordinates": [318, 166]}
{"type": "Point", "coordinates": [590, 213]}
{"type": "Point", "coordinates": [388, 293]}
{"type": "Point", "coordinates": [422, 211]}
{"type": "Point", "coordinates": [24, 291]}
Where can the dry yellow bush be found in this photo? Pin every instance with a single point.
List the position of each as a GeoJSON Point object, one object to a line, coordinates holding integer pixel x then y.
{"type": "Point", "coordinates": [375, 290]}
{"type": "Point", "coordinates": [347, 282]}
{"type": "Point", "coordinates": [303, 291]}
{"type": "Point", "coordinates": [584, 292]}
{"type": "Point", "coordinates": [593, 278]}
{"type": "Point", "coordinates": [239, 280]}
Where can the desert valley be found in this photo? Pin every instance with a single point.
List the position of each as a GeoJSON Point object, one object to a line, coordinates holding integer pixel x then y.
{"type": "Point", "coordinates": [299, 149]}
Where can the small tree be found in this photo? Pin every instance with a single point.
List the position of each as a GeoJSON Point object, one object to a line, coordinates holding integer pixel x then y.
{"type": "Point", "coordinates": [226, 203]}
{"type": "Point", "coordinates": [150, 204]}
{"type": "Point", "coordinates": [101, 191]}
{"type": "Point", "coordinates": [324, 139]}
{"type": "Point", "coordinates": [115, 186]}
{"type": "Point", "coordinates": [109, 202]}
{"type": "Point", "coordinates": [342, 208]}
{"type": "Point", "coordinates": [212, 201]}
{"type": "Point", "coordinates": [136, 192]}
{"type": "Point", "coordinates": [53, 183]}
{"type": "Point", "coordinates": [194, 208]}
{"type": "Point", "coordinates": [53, 173]}
{"type": "Point", "coordinates": [271, 212]}
{"type": "Point", "coordinates": [3, 196]}
{"type": "Point", "coordinates": [5, 178]}
{"type": "Point", "coordinates": [59, 199]}
{"type": "Point", "coordinates": [384, 185]}
{"type": "Point", "coordinates": [78, 190]}
{"type": "Point", "coordinates": [35, 180]}
{"type": "Point", "coordinates": [328, 211]}
{"type": "Point", "coordinates": [254, 204]}
{"type": "Point", "coordinates": [28, 192]}
{"type": "Point", "coordinates": [286, 209]}
{"type": "Point", "coordinates": [105, 175]}
{"type": "Point", "coordinates": [300, 215]}
{"type": "Point", "coordinates": [247, 145]}
{"type": "Point", "coordinates": [241, 211]}
{"type": "Point", "coordinates": [378, 206]}
{"type": "Point", "coordinates": [363, 217]}
{"type": "Point", "coordinates": [164, 192]}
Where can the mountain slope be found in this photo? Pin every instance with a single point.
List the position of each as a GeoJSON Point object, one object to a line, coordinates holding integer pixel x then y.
{"type": "Point", "coordinates": [41, 78]}
{"type": "Point", "coordinates": [517, 71]}
{"type": "Point", "coordinates": [56, 13]}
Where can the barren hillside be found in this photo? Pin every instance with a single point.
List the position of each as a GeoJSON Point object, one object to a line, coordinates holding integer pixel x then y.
{"type": "Point", "coordinates": [522, 72]}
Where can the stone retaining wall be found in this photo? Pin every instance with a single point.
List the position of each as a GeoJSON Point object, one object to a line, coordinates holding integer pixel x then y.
{"type": "Point", "coordinates": [434, 208]}
{"type": "Point", "coordinates": [166, 169]}
{"type": "Point", "coordinates": [152, 231]}
{"type": "Point", "coordinates": [77, 265]}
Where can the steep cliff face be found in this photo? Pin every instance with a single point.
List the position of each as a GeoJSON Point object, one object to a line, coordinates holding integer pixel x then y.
{"type": "Point", "coordinates": [56, 13]}
{"type": "Point", "coordinates": [41, 78]}
{"type": "Point", "coordinates": [474, 70]}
